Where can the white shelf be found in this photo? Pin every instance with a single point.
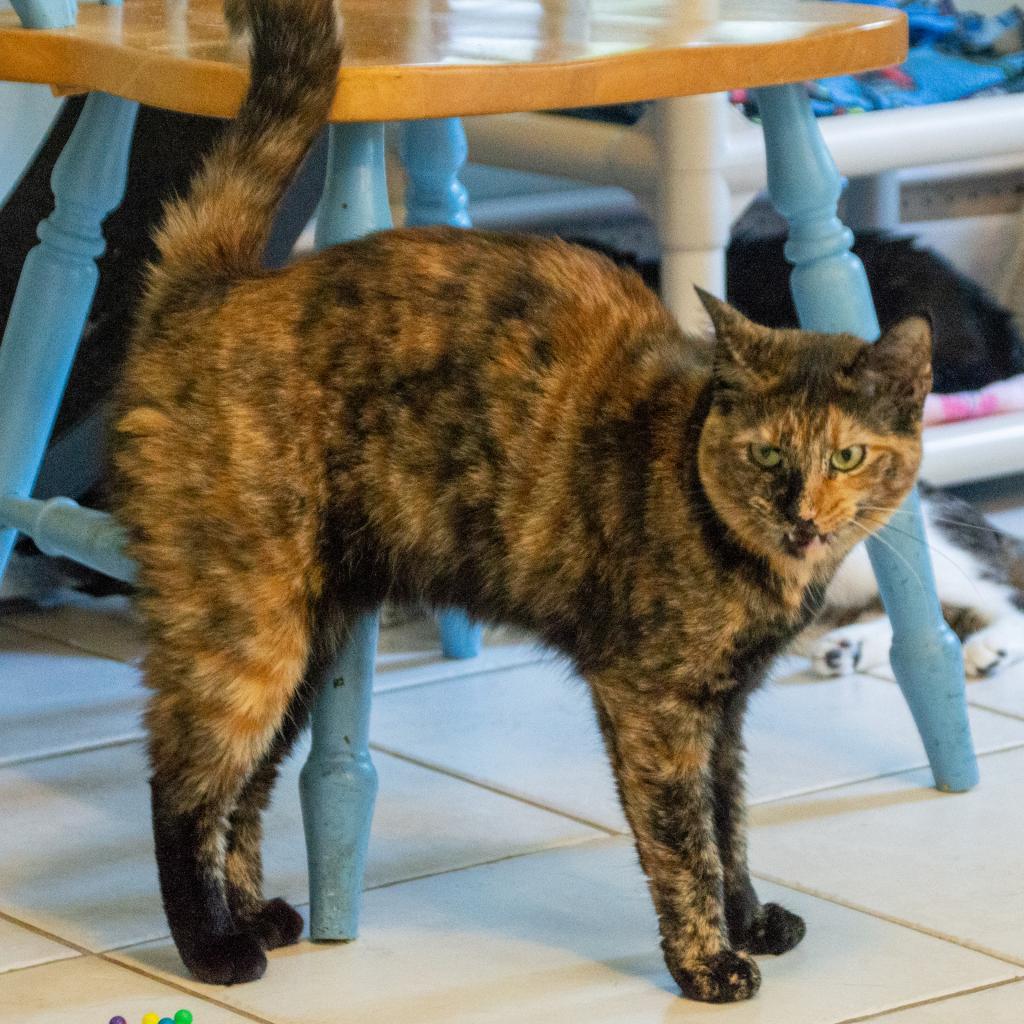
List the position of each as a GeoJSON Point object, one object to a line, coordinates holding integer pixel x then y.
{"type": "Point", "coordinates": [957, 453]}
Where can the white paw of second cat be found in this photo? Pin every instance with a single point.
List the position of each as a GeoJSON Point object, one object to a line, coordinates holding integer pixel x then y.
{"type": "Point", "coordinates": [993, 648]}
{"type": "Point", "coordinates": [856, 648]}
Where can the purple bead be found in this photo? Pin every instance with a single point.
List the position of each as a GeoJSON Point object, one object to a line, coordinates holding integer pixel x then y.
{"type": "Point", "coordinates": [118, 1020]}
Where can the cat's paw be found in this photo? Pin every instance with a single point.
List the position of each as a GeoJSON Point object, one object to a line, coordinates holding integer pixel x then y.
{"type": "Point", "coordinates": [277, 924]}
{"type": "Point", "coordinates": [992, 649]}
{"type": "Point", "coordinates": [774, 930]}
{"type": "Point", "coordinates": [726, 977]}
{"type": "Point", "coordinates": [224, 959]}
{"type": "Point", "coordinates": [855, 648]}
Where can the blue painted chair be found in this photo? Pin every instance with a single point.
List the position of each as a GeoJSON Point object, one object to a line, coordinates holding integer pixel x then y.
{"type": "Point", "coordinates": [338, 782]}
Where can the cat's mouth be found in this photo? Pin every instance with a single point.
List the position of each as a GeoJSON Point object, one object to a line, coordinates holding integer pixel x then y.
{"type": "Point", "coordinates": [804, 542]}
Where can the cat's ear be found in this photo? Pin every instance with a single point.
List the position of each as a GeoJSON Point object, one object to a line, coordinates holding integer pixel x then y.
{"type": "Point", "coordinates": [727, 320]}
{"type": "Point", "coordinates": [902, 357]}
{"type": "Point", "coordinates": [743, 355]}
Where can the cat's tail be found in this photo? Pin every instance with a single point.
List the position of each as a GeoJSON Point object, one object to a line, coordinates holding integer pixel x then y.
{"type": "Point", "coordinates": [220, 229]}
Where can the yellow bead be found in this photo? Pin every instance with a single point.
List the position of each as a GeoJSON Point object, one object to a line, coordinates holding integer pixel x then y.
{"type": "Point", "coordinates": [151, 1018]}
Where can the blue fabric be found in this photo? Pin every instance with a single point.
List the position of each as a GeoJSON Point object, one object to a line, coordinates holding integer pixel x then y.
{"type": "Point", "coordinates": [953, 55]}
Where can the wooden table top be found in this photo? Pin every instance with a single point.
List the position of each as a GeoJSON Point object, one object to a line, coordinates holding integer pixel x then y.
{"type": "Point", "coordinates": [437, 58]}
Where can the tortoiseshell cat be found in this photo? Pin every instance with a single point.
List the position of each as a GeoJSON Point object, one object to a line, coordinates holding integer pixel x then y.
{"type": "Point", "coordinates": [504, 423]}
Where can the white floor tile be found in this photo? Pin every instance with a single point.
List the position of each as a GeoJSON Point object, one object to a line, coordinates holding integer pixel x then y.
{"type": "Point", "coordinates": [805, 733]}
{"type": "Point", "coordinates": [89, 990]}
{"type": "Point", "coordinates": [531, 731]}
{"type": "Point", "coordinates": [895, 846]}
{"type": "Point", "coordinates": [570, 936]}
{"type": "Point", "coordinates": [21, 947]}
{"type": "Point", "coordinates": [1002, 1005]}
{"type": "Point", "coordinates": [56, 698]}
{"type": "Point", "coordinates": [107, 626]}
{"type": "Point", "coordinates": [1004, 692]}
{"type": "Point", "coordinates": [410, 655]}
{"type": "Point", "coordinates": [76, 856]}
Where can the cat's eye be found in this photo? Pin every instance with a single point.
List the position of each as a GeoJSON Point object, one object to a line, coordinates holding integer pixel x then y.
{"type": "Point", "coordinates": [848, 458]}
{"type": "Point", "coordinates": [767, 456]}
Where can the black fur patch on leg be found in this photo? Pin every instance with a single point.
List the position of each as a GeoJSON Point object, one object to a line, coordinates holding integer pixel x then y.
{"type": "Point", "coordinates": [741, 909]}
{"type": "Point", "coordinates": [774, 930]}
{"type": "Point", "coordinates": [273, 921]}
{"type": "Point", "coordinates": [277, 924]}
{"type": "Point", "coordinates": [194, 901]}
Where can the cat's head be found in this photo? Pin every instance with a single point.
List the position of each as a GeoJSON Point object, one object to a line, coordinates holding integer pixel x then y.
{"type": "Point", "coordinates": [812, 440]}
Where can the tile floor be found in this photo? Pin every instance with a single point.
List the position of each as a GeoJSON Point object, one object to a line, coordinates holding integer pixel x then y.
{"type": "Point", "coordinates": [501, 886]}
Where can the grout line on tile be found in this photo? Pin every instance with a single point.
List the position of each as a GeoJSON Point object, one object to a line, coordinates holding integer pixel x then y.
{"type": "Point", "coordinates": [490, 787]}
{"type": "Point", "coordinates": [995, 711]}
{"type": "Point", "coordinates": [110, 955]}
{"type": "Point", "coordinates": [518, 855]}
{"type": "Point", "coordinates": [828, 787]}
{"type": "Point", "coordinates": [52, 936]}
{"type": "Point", "coordinates": [892, 919]}
{"type": "Point", "coordinates": [949, 997]}
{"type": "Point", "coordinates": [563, 844]}
{"type": "Point", "coordinates": [542, 657]}
{"type": "Point", "coordinates": [386, 686]}
{"type": "Point", "coordinates": [85, 748]}
{"type": "Point", "coordinates": [6, 972]}
{"type": "Point", "coordinates": [70, 644]}
{"type": "Point", "coordinates": [971, 701]}
{"type": "Point", "coordinates": [181, 986]}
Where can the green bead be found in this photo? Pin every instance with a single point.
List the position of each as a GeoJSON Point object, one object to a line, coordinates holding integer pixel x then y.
{"type": "Point", "coordinates": [183, 1017]}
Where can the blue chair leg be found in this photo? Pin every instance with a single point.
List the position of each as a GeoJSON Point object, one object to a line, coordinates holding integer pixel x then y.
{"type": "Point", "coordinates": [831, 293]}
{"type": "Point", "coordinates": [338, 784]}
{"type": "Point", "coordinates": [45, 13]}
{"type": "Point", "coordinates": [433, 153]}
{"type": "Point", "coordinates": [55, 291]}
{"type": "Point", "coordinates": [338, 788]}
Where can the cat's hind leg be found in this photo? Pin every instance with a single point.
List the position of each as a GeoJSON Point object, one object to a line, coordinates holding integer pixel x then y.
{"type": "Point", "coordinates": [213, 723]}
{"type": "Point", "coordinates": [275, 922]}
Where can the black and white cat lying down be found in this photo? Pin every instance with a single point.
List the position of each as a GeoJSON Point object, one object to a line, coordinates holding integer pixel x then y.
{"type": "Point", "coordinates": [979, 574]}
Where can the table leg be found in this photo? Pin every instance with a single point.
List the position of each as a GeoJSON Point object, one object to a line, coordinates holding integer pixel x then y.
{"type": "Point", "coordinates": [693, 202]}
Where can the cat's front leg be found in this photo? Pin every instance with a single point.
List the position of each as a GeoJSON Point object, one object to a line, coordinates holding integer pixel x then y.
{"type": "Point", "coordinates": [753, 926]}
{"type": "Point", "coordinates": [661, 749]}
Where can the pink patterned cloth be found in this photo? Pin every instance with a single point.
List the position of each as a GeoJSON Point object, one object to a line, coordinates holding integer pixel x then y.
{"type": "Point", "coordinates": [1002, 396]}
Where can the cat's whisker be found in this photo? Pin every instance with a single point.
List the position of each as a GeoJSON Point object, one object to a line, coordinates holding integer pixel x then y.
{"type": "Point", "coordinates": [892, 548]}
{"type": "Point", "coordinates": [967, 526]}
{"type": "Point", "coordinates": [935, 551]}
{"type": "Point", "coordinates": [935, 519]}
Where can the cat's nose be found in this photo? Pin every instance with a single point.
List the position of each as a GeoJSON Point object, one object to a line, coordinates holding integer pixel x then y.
{"type": "Point", "coordinates": [804, 531]}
